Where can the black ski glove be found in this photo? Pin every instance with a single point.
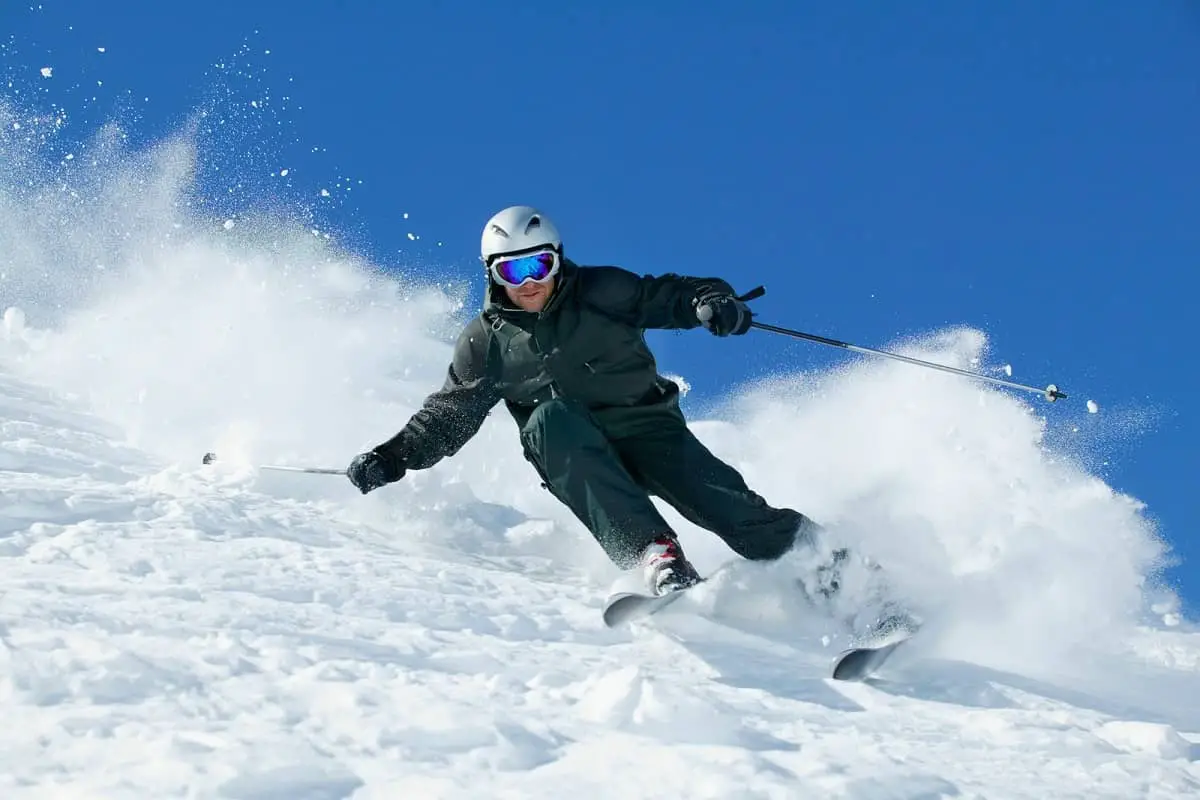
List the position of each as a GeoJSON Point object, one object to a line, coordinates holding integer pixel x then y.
{"type": "Point", "coordinates": [370, 470]}
{"type": "Point", "coordinates": [723, 314]}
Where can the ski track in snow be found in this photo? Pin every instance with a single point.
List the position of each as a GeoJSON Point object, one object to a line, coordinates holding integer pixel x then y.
{"type": "Point", "coordinates": [175, 630]}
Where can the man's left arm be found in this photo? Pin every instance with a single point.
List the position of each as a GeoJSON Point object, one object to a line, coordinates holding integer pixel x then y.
{"type": "Point", "coordinates": [667, 301]}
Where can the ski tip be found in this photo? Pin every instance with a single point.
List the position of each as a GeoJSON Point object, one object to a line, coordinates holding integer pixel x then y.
{"type": "Point", "coordinates": [623, 607]}
{"type": "Point", "coordinates": [859, 663]}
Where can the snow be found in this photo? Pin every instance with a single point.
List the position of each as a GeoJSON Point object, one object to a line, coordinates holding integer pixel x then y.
{"type": "Point", "coordinates": [14, 322]}
{"type": "Point", "coordinates": [169, 628]}
{"type": "Point", "coordinates": [1158, 740]}
{"type": "Point", "coordinates": [681, 382]}
{"type": "Point", "coordinates": [1092, 406]}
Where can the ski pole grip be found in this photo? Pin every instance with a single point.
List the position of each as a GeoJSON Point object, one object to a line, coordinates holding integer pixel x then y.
{"type": "Point", "coordinates": [753, 294]}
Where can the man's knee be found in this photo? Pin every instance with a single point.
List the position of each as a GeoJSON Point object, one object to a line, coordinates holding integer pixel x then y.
{"type": "Point", "coordinates": [557, 426]}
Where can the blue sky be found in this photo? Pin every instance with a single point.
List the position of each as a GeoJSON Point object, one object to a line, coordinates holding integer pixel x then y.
{"type": "Point", "coordinates": [1028, 168]}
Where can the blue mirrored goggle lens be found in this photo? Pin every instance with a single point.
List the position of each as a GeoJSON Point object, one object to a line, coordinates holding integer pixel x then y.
{"type": "Point", "coordinates": [534, 267]}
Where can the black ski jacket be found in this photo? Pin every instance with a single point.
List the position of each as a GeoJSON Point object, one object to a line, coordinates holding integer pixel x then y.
{"type": "Point", "coordinates": [587, 346]}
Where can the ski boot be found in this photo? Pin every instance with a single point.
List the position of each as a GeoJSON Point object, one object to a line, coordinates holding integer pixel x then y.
{"type": "Point", "coordinates": [892, 622]}
{"type": "Point", "coordinates": [665, 567]}
{"type": "Point", "coordinates": [822, 583]}
{"type": "Point", "coordinates": [871, 613]}
{"type": "Point", "coordinates": [828, 577]}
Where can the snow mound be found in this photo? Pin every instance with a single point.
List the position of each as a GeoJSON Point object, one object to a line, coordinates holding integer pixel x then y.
{"type": "Point", "coordinates": [1161, 741]}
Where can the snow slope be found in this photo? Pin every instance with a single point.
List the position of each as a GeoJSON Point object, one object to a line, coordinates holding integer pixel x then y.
{"type": "Point", "coordinates": [169, 629]}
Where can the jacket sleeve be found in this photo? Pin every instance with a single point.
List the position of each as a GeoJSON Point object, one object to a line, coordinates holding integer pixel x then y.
{"type": "Point", "coordinates": [646, 301]}
{"type": "Point", "coordinates": [452, 415]}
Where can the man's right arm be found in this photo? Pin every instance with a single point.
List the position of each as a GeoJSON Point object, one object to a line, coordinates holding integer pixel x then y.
{"type": "Point", "coordinates": [452, 415]}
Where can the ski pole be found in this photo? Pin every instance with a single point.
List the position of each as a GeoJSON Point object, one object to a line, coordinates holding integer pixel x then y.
{"type": "Point", "coordinates": [211, 457]}
{"type": "Point", "coordinates": [309, 470]}
{"type": "Point", "coordinates": [1051, 392]}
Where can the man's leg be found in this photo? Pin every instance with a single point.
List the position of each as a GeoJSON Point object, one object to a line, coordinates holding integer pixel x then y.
{"type": "Point", "coordinates": [583, 470]}
{"type": "Point", "coordinates": [676, 466]}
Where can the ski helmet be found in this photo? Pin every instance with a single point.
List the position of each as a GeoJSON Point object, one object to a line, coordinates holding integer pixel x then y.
{"type": "Point", "coordinates": [518, 229]}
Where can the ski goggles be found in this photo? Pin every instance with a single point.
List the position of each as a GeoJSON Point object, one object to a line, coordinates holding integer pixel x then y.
{"type": "Point", "coordinates": [515, 270]}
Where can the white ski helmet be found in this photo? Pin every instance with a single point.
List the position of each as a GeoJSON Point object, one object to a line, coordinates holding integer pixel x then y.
{"type": "Point", "coordinates": [517, 229]}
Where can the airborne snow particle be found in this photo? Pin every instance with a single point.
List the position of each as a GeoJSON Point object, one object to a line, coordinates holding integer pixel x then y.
{"type": "Point", "coordinates": [101, 49]}
{"type": "Point", "coordinates": [228, 225]}
{"type": "Point", "coordinates": [283, 173]}
{"type": "Point", "coordinates": [412, 238]}
{"type": "Point", "coordinates": [1008, 370]}
{"type": "Point", "coordinates": [47, 72]}
{"type": "Point", "coordinates": [1092, 407]}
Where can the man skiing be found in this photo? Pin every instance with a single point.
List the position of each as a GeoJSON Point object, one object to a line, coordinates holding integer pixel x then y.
{"type": "Point", "coordinates": [563, 347]}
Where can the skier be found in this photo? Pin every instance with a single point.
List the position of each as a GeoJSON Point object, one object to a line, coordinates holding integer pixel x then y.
{"type": "Point", "coordinates": [563, 347]}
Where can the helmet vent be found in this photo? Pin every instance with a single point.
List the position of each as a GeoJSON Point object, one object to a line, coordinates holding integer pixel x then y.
{"type": "Point", "coordinates": [534, 223]}
{"type": "Point", "coordinates": [496, 229]}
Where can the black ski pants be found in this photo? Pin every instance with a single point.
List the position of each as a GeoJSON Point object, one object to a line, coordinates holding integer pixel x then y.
{"type": "Point", "coordinates": [607, 483]}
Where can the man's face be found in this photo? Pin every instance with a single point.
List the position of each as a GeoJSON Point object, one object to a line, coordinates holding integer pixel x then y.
{"type": "Point", "coordinates": [531, 296]}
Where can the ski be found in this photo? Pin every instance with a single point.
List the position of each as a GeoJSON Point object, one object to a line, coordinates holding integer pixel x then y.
{"type": "Point", "coordinates": [855, 663]}
{"type": "Point", "coordinates": [859, 663]}
{"type": "Point", "coordinates": [621, 608]}
{"type": "Point", "coordinates": [624, 607]}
